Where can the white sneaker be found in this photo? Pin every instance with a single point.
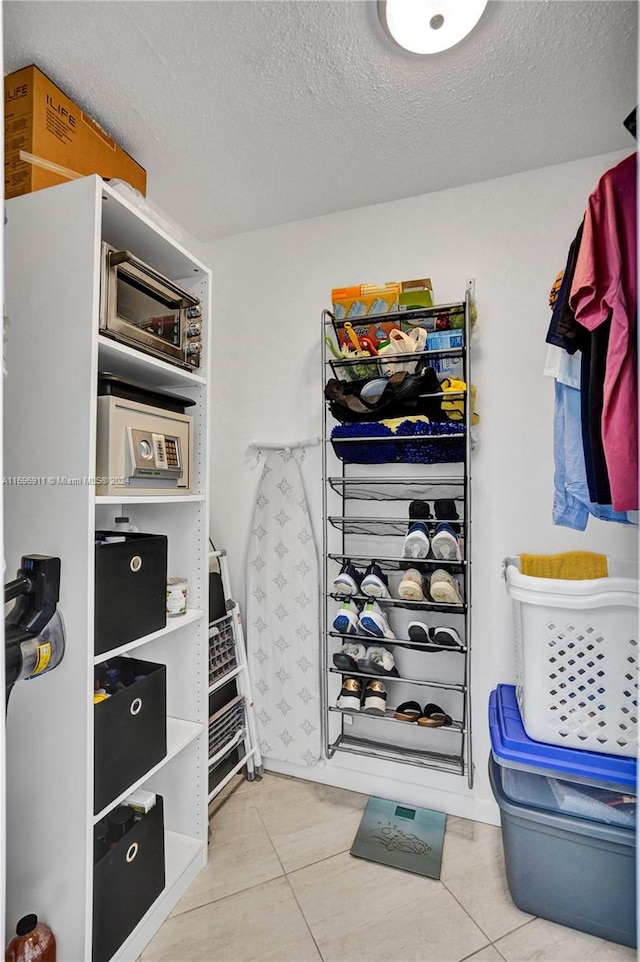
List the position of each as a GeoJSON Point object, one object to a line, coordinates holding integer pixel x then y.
{"type": "Point", "coordinates": [373, 621]}
{"type": "Point", "coordinates": [410, 587]}
{"type": "Point", "coordinates": [416, 542]}
{"type": "Point", "coordinates": [346, 619]}
{"type": "Point", "coordinates": [445, 544]}
{"type": "Point", "coordinates": [375, 583]}
{"type": "Point", "coordinates": [444, 588]}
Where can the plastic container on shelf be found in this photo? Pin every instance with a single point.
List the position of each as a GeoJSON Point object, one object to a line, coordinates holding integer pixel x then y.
{"type": "Point", "coordinates": [576, 658]}
{"type": "Point", "coordinates": [566, 780]}
{"type": "Point", "coordinates": [569, 870]}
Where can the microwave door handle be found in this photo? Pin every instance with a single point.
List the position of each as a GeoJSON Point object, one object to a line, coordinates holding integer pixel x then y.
{"type": "Point", "coordinates": [142, 271]}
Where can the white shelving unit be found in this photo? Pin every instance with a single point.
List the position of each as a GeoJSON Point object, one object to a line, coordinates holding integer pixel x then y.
{"type": "Point", "coordinates": [54, 353]}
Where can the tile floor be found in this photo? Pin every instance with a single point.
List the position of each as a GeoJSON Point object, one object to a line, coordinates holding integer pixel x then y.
{"type": "Point", "coordinates": [280, 885]}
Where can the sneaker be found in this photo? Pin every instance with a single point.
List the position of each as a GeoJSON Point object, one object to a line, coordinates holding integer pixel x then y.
{"type": "Point", "coordinates": [348, 656]}
{"type": "Point", "coordinates": [375, 582]}
{"type": "Point", "coordinates": [416, 541]}
{"type": "Point", "coordinates": [346, 619]}
{"type": "Point", "coordinates": [377, 661]}
{"type": "Point", "coordinates": [418, 631]}
{"type": "Point", "coordinates": [373, 621]}
{"type": "Point", "coordinates": [443, 588]}
{"type": "Point", "coordinates": [410, 587]}
{"type": "Point", "coordinates": [439, 637]}
{"type": "Point", "coordinates": [350, 697]}
{"type": "Point", "coordinates": [419, 511]}
{"type": "Point", "coordinates": [445, 637]}
{"type": "Point", "coordinates": [445, 544]}
{"type": "Point", "coordinates": [445, 510]}
{"type": "Point", "coordinates": [348, 581]}
{"type": "Point", "coordinates": [375, 698]}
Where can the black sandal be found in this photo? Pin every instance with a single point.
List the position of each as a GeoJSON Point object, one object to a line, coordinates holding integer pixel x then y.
{"type": "Point", "coordinates": [408, 711]}
{"type": "Point", "coordinates": [434, 717]}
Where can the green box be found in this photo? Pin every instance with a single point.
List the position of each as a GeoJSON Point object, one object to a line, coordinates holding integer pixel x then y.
{"type": "Point", "coordinates": [415, 294]}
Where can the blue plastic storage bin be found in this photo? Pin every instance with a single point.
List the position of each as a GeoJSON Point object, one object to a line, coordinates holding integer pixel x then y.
{"type": "Point", "coordinates": [569, 870]}
{"type": "Point", "coordinates": [565, 780]}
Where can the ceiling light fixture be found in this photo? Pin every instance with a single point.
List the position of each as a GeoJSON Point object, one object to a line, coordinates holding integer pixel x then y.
{"type": "Point", "coordinates": [429, 26]}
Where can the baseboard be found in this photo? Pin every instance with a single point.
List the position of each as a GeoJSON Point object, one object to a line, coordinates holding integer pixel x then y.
{"type": "Point", "coordinates": [439, 799]}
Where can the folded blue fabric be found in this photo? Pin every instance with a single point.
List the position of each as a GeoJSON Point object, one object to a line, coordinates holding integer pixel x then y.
{"type": "Point", "coordinates": [418, 451]}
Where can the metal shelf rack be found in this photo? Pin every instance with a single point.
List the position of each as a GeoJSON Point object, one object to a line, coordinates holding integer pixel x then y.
{"type": "Point", "coordinates": [365, 510]}
{"type": "Point", "coordinates": [232, 725]}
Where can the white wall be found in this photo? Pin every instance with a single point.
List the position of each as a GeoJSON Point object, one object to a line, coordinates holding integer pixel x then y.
{"type": "Point", "coordinates": [512, 235]}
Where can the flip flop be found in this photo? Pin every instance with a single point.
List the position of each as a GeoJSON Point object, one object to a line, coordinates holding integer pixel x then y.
{"type": "Point", "coordinates": [434, 717]}
{"type": "Point", "coordinates": [408, 711]}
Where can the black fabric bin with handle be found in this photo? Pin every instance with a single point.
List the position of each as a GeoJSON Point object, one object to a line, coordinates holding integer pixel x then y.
{"type": "Point", "coordinates": [127, 881]}
{"type": "Point", "coordinates": [130, 728]}
{"type": "Point", "coordinates": [130, 588]}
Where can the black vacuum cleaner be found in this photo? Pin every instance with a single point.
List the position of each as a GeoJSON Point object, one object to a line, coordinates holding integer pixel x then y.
{"type": "Point", "coordinates": [34, 632]}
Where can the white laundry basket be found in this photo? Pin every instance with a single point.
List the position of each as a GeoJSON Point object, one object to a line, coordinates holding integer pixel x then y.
{"type": "Point", "coordinates": [577, 658]}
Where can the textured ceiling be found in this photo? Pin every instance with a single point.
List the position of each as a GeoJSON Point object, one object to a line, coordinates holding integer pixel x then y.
{"type": "Point", "coordinates": [253, 113]}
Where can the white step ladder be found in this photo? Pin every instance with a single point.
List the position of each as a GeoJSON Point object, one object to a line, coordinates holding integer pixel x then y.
{"type": "Point", "coordinates": [233, 724]}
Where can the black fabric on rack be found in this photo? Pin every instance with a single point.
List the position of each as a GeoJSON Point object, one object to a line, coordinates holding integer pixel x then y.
{"type": "Point", "coordinates": [594, 347]}
{"type": "Point", "coordinates": [564, 331]}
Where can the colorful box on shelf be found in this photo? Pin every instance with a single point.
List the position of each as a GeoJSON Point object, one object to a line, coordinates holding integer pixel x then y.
{"type": "Point", "coordinates": [415, 294]}
{"type": "Point", "coordinates": [446, 341]}
{"type": "Point", "coordinates": [363, 300]}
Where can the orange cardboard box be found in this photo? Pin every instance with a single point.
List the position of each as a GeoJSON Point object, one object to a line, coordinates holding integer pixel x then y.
{"type": "Point", "coordinates": [44, 130]}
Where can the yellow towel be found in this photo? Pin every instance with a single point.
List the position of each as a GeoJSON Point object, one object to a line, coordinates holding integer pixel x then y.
{"type": "Point", "coordinates": [569, 566]}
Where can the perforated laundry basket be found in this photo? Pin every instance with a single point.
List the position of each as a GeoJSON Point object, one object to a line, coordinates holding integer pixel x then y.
{"type": "Point", "coordinates": [577, 658]}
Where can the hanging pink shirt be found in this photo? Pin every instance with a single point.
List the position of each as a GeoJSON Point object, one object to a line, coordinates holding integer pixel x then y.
{"type": "Point", "coordinates": [606, 282]}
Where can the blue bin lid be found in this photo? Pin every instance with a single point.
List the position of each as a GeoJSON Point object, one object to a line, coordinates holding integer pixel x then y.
{"type": "Point", "coordinates": [512, 745]}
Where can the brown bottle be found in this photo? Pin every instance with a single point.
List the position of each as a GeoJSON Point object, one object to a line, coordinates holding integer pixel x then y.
{"type": "Point", "coordinates": [34, 942]}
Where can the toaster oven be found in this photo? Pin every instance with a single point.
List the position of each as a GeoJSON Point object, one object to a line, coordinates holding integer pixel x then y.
{"type": "Point", "coordinates": [141, 308]}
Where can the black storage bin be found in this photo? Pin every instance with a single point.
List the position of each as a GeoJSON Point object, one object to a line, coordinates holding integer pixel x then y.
{"type": "Point", "coordinates": [130, 588]}
{"type": "Point", "coordinates": [126, 882]}
{"type": "Point", "coordinates": [130, 728]}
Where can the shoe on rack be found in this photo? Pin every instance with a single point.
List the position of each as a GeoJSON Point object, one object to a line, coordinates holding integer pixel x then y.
{"type": "Point", "coordinates": [348, 656]}
{"type": "Point", "coordinates": [419, 511]}
{"type": "Point", "coordinates": [434, 717]}
{"type": "Point", "coordinates": [375, 583]}
{"type": "Point", "coordinates": [346, 619]}
{"type": "Point", "coordinates": [350, 697]}
{"type": "Point", "coordinates": [377, 661]}
{"type": "Point", "coordinates": [348, 581]}
{"type": "Point", "coordinates": [375, 698]}
{"type": "Point", "coordinates": [445, 510]}
{"type": "Point", "coordinates": [444, 544]}
{"type": "Point", "coordinates": [373, 621]}
{"type": "Point", "coordinates": [416, 541]}
{"type": "Point", "coordinates": [411, 586]}
{"type": "Point", "coordinates": [445, 637]}
{"type": "Point", "coordinates": [443, 588]}
{"type": "Point", "coordinates": [408, 711]}
{"type": "Point", "coordinates": [440, 637]}
{"type": "Point", "coordinates": [418, 631]}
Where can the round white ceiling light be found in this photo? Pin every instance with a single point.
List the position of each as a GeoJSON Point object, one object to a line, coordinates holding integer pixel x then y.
{"type": "Point", "coordinates": [429, 26]}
